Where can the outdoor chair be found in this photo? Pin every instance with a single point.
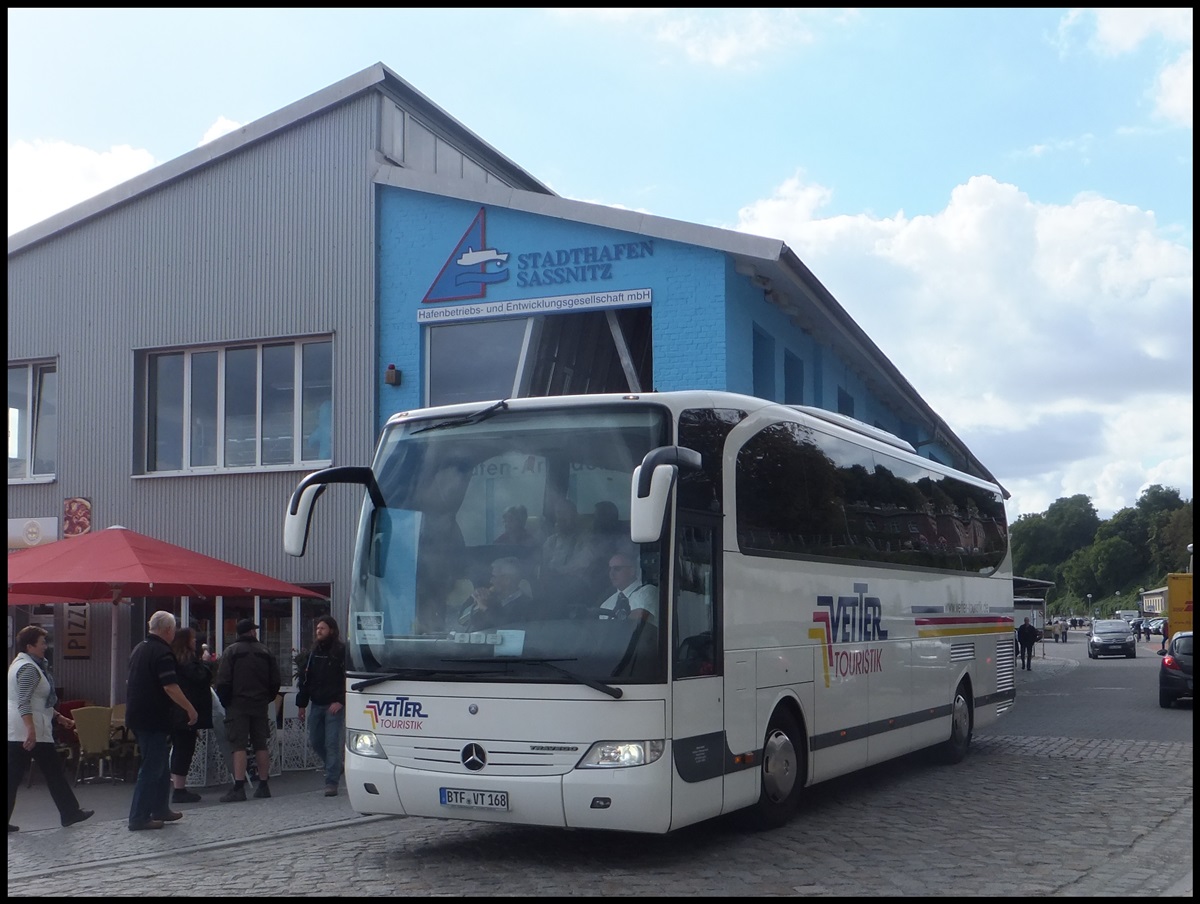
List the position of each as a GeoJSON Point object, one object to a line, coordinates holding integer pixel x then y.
{"type": "Point", "coordinates": [93, 724]}
{"type": "Point", "coordinates": [124, 746]}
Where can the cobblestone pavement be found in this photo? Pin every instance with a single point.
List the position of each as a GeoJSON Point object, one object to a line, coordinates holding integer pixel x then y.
{"type": "Point", "coordinates": [1020, 816]}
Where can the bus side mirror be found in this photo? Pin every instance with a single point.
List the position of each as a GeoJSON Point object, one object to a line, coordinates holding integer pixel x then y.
{"type": "Point", "coordinates": [304, 497]}
{"type": "Point", "coordinates": [296, 521]}
{"type": "Point", "coordinates": [646, 514]}
{"type": "Point", "coordinates": [651, 488]}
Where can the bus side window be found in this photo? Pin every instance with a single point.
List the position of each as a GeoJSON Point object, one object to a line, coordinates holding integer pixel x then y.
{"type": "Point", "coordinates": [693, 628]}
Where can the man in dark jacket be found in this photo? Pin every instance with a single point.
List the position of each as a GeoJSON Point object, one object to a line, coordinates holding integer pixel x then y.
{"type": "Point", "coordinates": [151, 688]}
{"type": "Point", "coordinates": [323, 684]}
{"type": "Point", "coordinates": [248, 681]}
{"type": "Point", "coordinates": [1026, 638]}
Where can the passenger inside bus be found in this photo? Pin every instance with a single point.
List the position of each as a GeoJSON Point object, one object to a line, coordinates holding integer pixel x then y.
{"type": "Point", "coordinates": [568, 559]}
{"type": "Point", "coordinates": [504, 600]}
{"type": "Point", "coordinates": [442, 567]}
{"type": "Point", "coordinates": [516, 532]}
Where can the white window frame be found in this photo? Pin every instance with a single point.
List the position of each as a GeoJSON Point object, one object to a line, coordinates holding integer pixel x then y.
{"type": "Point", "coordinates": [220, 466]}
{"type": "Point", "coordinates": [24, 439]}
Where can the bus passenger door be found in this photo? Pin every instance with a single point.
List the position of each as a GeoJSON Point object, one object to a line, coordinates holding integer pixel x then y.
{"type": "Point", "coordinates": [697, 721]}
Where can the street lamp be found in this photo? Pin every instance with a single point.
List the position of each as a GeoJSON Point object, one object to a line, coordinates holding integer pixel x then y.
{"type": "Point", "coordinates": [1096, 612]}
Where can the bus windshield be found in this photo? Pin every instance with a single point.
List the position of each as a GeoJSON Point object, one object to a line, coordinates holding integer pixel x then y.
{"type": "Point", "coordinates": [502, 549]}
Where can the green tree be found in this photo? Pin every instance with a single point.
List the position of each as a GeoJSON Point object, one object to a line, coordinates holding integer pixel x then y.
{"type": "Point", "coordinates": [1156, 499]}
{"type": "Point", "coordinates": [1074, 522]}
{"type": "Point", "coordinates": [1030, 540]}
{"type": "Point", "coordinates": [1042, 573]}
{"type": "Point", "coordinates": [1115, 564]}
{"type": "Point", "coordinates": [1081, 554]}
{"type": "Point", "coordinates": [1078, 574]}
{"type": "Point", "coordinates": [1131, 526]}
{"type": "Point", "coordinates": [1168, 542]}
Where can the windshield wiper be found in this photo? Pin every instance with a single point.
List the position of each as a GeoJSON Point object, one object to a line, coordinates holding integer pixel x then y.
{"type": "Point", "coordinates": [415, 673]}
{"type": "Point", "coordinates": [463, 419]}
{"type": "Point", "coordinates": [614, 692]}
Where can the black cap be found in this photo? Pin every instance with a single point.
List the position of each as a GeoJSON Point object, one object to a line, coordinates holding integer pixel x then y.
{"type": "Point", "coordinates": [246, 625]}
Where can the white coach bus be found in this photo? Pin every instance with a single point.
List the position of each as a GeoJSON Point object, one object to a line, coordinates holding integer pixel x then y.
{"type": "Point", "coordinates": [806, 597]}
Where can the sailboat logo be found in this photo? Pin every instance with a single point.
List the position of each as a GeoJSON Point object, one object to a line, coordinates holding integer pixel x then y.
{"type": "Point", "coordinates": [470, 267]}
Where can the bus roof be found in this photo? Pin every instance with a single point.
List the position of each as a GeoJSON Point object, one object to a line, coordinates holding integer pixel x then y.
{"type": "Point", "coordinates": [681, 400]}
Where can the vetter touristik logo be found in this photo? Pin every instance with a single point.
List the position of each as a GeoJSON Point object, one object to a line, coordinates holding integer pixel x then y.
{"type": "Point", "coordinates": [470, 268]}
{"type": "Point", "coordinates": [849, 619]}
{"type": "Point", "coordinates": [397, 713]}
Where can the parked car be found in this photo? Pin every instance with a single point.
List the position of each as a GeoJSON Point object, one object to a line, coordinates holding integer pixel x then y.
{"type": "Point", "coordinates": [1175, 670]}
{"type": "Point", "coordinates": [1156, 625]}
{"type": "Point", "coordinates": [1111, 637]}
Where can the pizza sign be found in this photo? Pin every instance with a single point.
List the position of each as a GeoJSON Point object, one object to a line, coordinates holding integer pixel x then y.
{"type": "Point", "coordinates": [77, 516]}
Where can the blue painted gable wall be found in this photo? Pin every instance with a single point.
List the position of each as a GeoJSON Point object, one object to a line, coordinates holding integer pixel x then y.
{"type": "Point", "coordinates": [418, 232]}
{"type": "Point", "coordinates": [704, 312]}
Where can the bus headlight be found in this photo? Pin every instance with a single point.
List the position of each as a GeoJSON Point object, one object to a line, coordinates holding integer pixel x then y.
{"type": "Point", "coordinates": [615, 754]}
{"type": "Point", "coordinates": [364, 743]}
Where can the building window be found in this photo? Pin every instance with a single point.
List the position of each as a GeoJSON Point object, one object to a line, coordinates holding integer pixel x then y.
{"type": "Point", "coordinates": [562, 354]}
{"type": "Point", "coordinates": [244, 406]}
{"type": "Point", "coordinates": [286, 624]}
{"type": "Point", "coordinates": [793, 379]}
{"type": "Point", "coordinates": [32, 421]}
{"type": "Point", "coordinates": [845, 403]}
{"type": "Point", "coordinates": [763, 354]}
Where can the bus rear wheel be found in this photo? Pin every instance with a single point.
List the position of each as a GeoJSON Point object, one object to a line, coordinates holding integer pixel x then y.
{"type": "Point", "coordinates": [954, 749]}
{"type": "Point", "coordinates": [782, 772]}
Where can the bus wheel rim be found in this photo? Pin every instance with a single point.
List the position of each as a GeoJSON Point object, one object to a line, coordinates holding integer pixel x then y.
{"type": "Point", "coordinates": [779, 766]}
{"type": "Point", "coordinates": [961, 719]}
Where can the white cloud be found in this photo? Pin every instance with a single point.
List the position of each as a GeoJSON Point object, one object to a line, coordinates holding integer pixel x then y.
{"type": "Point", "coordinates": [221, 127]}
{"type": "Point", "coordinates": [1173, 91]}
{"type": "Point", "coordinates": [1122, 31]}
{"type": "Point", "coordinates": [722, 38]}
{"type": "Point", "coordinates": [47, 177]}
{"type": "Point", "coordinates": [735, 38]}
{"type": "Point", "coordinates": [1054, 339]}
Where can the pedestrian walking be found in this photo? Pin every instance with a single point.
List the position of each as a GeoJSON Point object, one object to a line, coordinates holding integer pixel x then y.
{"type": "Point", "coordinates": [152, 689]}
{"type": "Point", "coordinates": [322, 684]}
{"type": "Point", "coordinates": [31, 720]}
{"type": "Point", "coordinates": [1026, 638]}
{"type": "Point", "coordinates": [248, 681]}
{"type": "Point", "coordinates": [195, 678]}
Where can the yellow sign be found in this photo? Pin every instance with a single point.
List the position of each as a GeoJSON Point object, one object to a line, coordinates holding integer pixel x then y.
{"type": "Point", "coordinates": [1179, 603]}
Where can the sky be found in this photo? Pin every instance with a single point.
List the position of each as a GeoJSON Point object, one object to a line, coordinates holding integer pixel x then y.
{"type": "Point", "coordinates": [1002, 199]}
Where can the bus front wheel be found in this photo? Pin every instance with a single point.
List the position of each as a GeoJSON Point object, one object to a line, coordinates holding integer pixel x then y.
{"type": "Point", "coordinates": [954, 748]}
{"type": "Point", "coordinates": [782, 772]}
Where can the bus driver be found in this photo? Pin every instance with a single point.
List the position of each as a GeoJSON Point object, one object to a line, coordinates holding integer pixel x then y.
{"type": "Point", "coordinates": [632, 599]}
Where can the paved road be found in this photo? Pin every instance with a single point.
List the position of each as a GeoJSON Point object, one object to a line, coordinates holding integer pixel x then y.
{"type": "Point", "coordinates": [1026, 814]}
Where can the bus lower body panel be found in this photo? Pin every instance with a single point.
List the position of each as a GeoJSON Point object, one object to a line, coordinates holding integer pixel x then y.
{"type": "Point", "coordinates": [634, 798]}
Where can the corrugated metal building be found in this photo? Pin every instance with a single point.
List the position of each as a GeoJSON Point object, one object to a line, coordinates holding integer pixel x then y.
{"type": "Point", "coordinates": [183, 347]}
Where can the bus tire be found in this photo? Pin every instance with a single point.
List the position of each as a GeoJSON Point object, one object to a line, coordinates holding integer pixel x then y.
{"type": "Point", "coordinates": [782, 772]}
{"type": "Point", "coordinates": [954, 748]}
